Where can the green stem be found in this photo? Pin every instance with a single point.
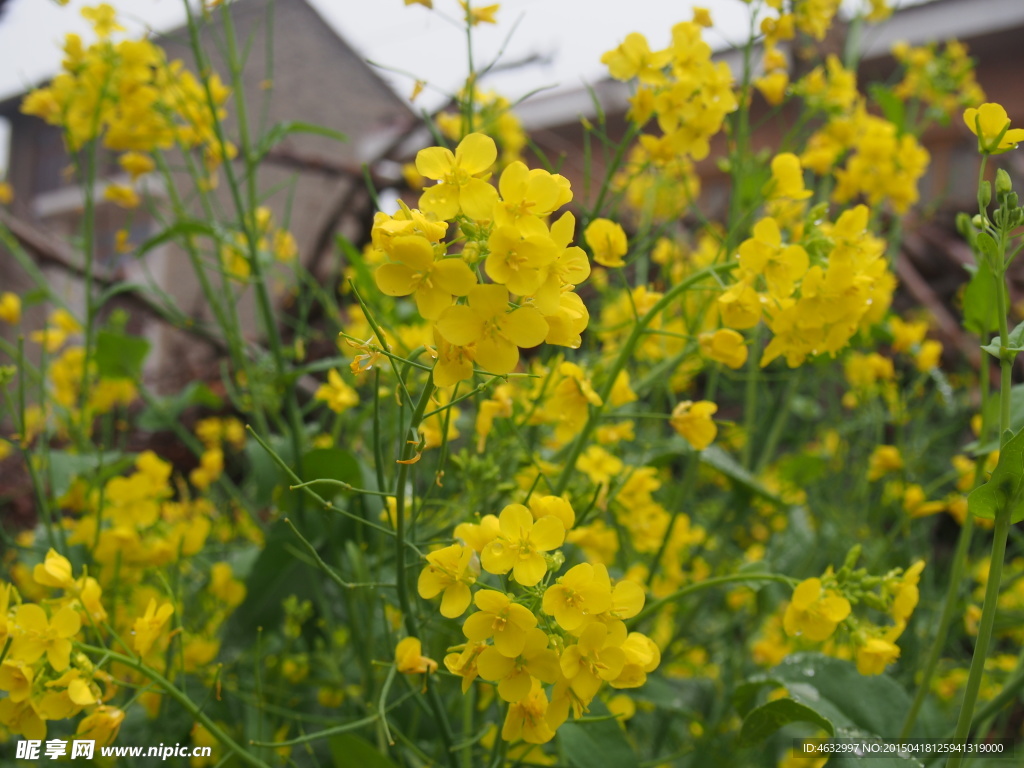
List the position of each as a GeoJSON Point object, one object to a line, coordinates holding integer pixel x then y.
{"type": "Point", "coordinates": [186, 703]}
{"type": "Point", "coordinates": [988, 616]}
{"type": "Point", "coordinates": [1002, 521]}
{"type": "Point", "coordinates": [401, 578]}
{"type": "Point", "coordinates": [625, 356]}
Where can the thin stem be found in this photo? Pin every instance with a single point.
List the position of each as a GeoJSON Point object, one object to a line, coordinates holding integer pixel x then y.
{"type": "Point", "coordinates": [186, 703]}
{"type": "Point", "coordinates": [625, 356]}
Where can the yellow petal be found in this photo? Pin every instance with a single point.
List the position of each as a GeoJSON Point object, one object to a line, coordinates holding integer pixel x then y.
{"type": "Point", "coordinates": [475, 154]}
{"type": "Point", "coordinates": [434, 162]}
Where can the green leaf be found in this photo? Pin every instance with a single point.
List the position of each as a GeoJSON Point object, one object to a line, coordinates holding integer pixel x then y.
{"type": "Point", "coordinates": [891, 105]}
{"type": "Point", "coordinates": [980, 302]}
{"type": "Point", "coordinates": [877, 760]}
{"type": "Point", "coordinates": [987, 246]}
{"type": "Point", "coordinates": [65, 467]}
{"type": "Point", "coordinates": [165, 412]}
{"type": "Point", "coordinates": [119, 356]}
{"type": "Point", "coordinates": [1004, 489]}
{"type": "Point", "coordinates": [836, 691]}
{"type": "Point", "coordinates": [765, 720]}
{"type": "Point", "coordinates": [275, 575]}
{"type": "Point", "coordinates": [716, 458]}
{"type": "Point", "coordinates": [180, 229]}
{"type": "Point", "coordinates": [349, 750]}
{"type": "Point", "coordinates": [283, 129]}
{"type": "Point", "coordinates": [1014, 344]}
{"type": "Point", "coordinates": [37, 296]}
{"type": "Point", "coordinates": [600, 743]}
{"type": "Point", "coordinates": [331, 464]}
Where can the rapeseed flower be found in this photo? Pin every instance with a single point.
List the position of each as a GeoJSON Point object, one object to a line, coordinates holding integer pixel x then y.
{"type": "Point", "coordinates": [991, 125]}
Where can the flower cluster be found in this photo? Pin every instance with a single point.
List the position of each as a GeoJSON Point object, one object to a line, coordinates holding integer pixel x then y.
{"type": "Point", "coordinates": [819, 606]}
{"type": "Point", "coordinates": [532, 266]}
{"type": "Point", "coordinates": [689, 97]}
{"type": "Point", "coordinates": [815, 291]}
{"type": "Point", "coordinates": [568, 632]}
{"type": "Point", "coordinates": [128, 94]}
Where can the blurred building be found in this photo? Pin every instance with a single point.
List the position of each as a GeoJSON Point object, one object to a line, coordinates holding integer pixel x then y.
{"type": "Point", "coordinates": [297, 68]}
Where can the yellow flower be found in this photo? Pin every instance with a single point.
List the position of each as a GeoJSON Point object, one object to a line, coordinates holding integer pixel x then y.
{"type": "Point", "coordinates": [739, 305]}
{"type": "Point", "coordinates": [520, 256]}
{"type": "Point", "coordinates": [597, 656]}
{"type": "Point", "coordinates": [542, 506]}
{"type": "Point", "coordinates": [702, 17]}
{"type": "Point", "coordinates": [33, 634]}
{"type": "Point", "coordinates": [500, 618]}
{"type": "Point", "coordinates": [585, 590]}
{"type": "Point", "coordinates": [6, 193]}
{"type": "Point", "coordinates": [928, 356]}
{"type": "Point", "coordinates": [459, 188]}
{"type": "Point", "coordinates": [410, 659]}
{"type": "Point", "coordinates": [991, 125]}
{"type": "Point", "coordinates": [136, 163]}
{"type": "Point", "coordinates": [724, 346]}
{"type": "Point", "coordinates": [875, 654]}
{"type": "Point", "coordinates": [432, 283]}
{"type": "Point", "coordinates": [10, 308]}
{"type": "Point", "coordinates": [515, 675]}
{"type": "Point", "coordinates": [773, 86]}
{"type": "Point", "coordinates": [338, 395]}
{"type": "Point", "coordinates": [813, 612]}
{"type": "Point", "coordinates": [101, 725]}
{"type": "Point", "coordinates": [693, 421]}
{"type": "Point", "coordinates": [122, 196]}
{"type": "Point", "coordinates": [520, 543]}
{"type": "Point", "coordinates": [462, 662]}
{"type": "Point", "coordinates": [906, 593]}
{"type": "Point", "coordinates": [55, 571]}
{"type": "Point", "coordinates": [764, 254]}
{"type": "Point", "coordinates": [147, 627]}
{"type": "Point", "coordinates": [634, 58]}
{"type": "Point", "coordinates": [449, 570]}
{"type": "Point", "coordinates": [495, 332]}
{"type": "Point", "coordinates": [481, 15]}
{"type": "Point", "coordinates": [787, 180]}
{"type": "Point", "coordinates": [530, 718]}
{"type": "Point", "coordinates": [884, 460]}
{"type": "Point", "coordinates": [607, 240]}
{"type": "Point", "coordinates": [103, 18]}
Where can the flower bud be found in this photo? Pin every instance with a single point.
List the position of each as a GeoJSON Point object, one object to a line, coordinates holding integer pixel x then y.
{"type": "Point", "coordinates": [1003, 183]}
{"type": "Point", "coordinates": [984, 194]}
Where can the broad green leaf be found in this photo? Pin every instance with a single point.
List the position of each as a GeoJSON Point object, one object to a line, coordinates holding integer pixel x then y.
{"type": "Point", "coordinates": [879, 760]}
{"type": "Point", "coordinates": [349, 750]}
{"type": "Point", "coordinates": [119, 356]}
{"type": "Point", "coordinates": [331, 464]}
{"type": "Point", "coordinates": [600, 743]}
{"type": "Point", "coordinates": [686, 696]}
{"type": "Point", "coordinates": [275, 575]}
{"type": "Point", "coordinates": [980, 302]}
{"type": "Point", "coordinates": [283, 129]}
{"type": "Point", "coordinates": [835, 690]}
{"type": "Point", "coordinates": [765, 720]}
{"type": "Point", "coordinates": [165, 412]}
{"type": "Point", "coordinates": [65, 467]}
{"type": "Point", "coordinates": [1004, 489]}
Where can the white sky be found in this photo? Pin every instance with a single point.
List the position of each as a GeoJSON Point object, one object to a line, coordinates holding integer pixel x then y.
{"type": "Point", "coordinates": [570, 35]}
